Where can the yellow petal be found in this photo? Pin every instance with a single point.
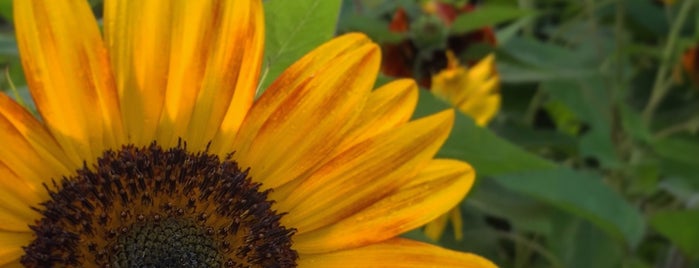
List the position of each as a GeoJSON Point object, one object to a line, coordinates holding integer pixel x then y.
{"type": "Point", "coordinates": [457, 223]}
{"type": "Point", "coordinates": [364, 174]}
{"type": "Point", "coordinates": [29, 157]}
{"type": "Point", "coordinates": [68, 73]}
{"type": "Point", "coordinates": [292, 78]}
{"type": "Point", "coordinates": [13, 264]}
{"type": "Point", "coordinates": [9, 221]}
{"type": "Point", "coordinates": [444, 184]}
{"type": "Point", "coordinates": [17, 196]}
{"type": "Point", "coordinates": [219, 56]}
{"type": "Point", "coordinates": [302, 117]}
{"type": "Point", "coordinates": [387, 107]}
{"type": "Point", "coordinates": [482, 108]}
{"type": "Point", "coordinates": [396, 253]}
{"type": "Point", "coordinates": [189, 68]}
{"type": "Point", "coordinates": [435, 228]}
{"type": "Point", "coordinates": [137, 36]}
{"type": "Point", "coordinates": [11, 246]}
{"type": "Point", "coordinates": [28, 148]}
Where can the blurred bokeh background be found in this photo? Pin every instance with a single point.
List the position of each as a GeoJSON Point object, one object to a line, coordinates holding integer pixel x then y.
{"type": "Point", "coordinates": [580, 116]}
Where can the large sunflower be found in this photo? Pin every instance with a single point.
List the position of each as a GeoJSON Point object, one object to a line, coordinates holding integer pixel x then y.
{"type": "Point", "coordinates": [151, 151]}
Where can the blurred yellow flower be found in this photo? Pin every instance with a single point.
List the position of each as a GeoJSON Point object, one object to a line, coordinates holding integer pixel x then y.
{"type": "Point", "coordinates": [475, 92]}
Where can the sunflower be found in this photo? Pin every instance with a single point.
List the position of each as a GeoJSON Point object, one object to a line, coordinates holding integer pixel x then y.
{"type": "Point", "coordinates": [152, 151]}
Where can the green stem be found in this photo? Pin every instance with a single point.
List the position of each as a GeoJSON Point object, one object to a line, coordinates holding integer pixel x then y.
{"type": "Point", "coordinates": [660, 86]}
{"type": "Point", "coordinates": [620, 54]}
{"type": "Point", "coordinates": [692, 125]}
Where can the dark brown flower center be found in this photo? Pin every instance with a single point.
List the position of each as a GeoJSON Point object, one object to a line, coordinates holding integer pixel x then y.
{"type": "Point", "coordinates": [149, 207]}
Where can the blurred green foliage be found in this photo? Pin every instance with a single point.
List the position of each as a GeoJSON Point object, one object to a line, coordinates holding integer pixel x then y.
{"type": "Point", "coordinates": [593, 160]}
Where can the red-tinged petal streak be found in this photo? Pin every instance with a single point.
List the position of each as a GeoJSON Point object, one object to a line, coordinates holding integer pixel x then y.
{"type": "Point", "coordinates": [396, 253]}
{"type": "Point", "coordinates": [69, 76]}
{"type": "Point", "coordinates": [304, 115]}
{"type": "Point", "coordinates": [442, 185]}
{"type": "Point", "coordinates": [248, 36]}
{"type": "Point", "coordinates": [185, 68]}
{"type": "Point", "coordinates": [387, 107]}
{"type": "Point", "coordinates": [364, 174]}
{"type": "Point", "coordinates": [11, 247]}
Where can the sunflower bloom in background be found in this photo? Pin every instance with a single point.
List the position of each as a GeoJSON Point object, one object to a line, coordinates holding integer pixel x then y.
{"type": "Point", "coordinates": [475, 91]}
{"type": "Point", "coordinates": [427, 36]}
{"type": "Point", "coordinates": [151, 151]}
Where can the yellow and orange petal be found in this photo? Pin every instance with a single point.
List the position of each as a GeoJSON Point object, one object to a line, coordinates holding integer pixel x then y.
{"type": "Point", "coordinates": [345, 162]}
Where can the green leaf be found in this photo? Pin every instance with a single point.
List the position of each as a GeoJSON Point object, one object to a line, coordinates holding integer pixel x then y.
{"type": "Point", "coordinates": [679, 149]}
{"type": "Point", "coordinates": [633, 124]}
{"type": "Point", "coordinates": [678, 157]}
{"type": "Point", "coordinates": [574, 239]}
{"type": "Point", "coordinates": [294, 28]}
{"type": "Point", "coordinates": [6, 9]}
{"type": "Point", "coordinates": [523, 212]}
{"type": "Point", "coordinates": [544, 61]}
{"type": "Point", "coordinates": [8, 45]}
{"type": "Point", "coordinates": [479, 146]}
{"type": "Point", "coordinates": [589, 100]}
{"type": "Point", "coordinates": [582, 194]}
{"type": "Point", "coordinates": [487, 15]}
{"type": "Point", "coordinates": [681, 227]}
{"type": "Point", "coordinates": [523, 73]}
{"type": "Point", "coordinates": [376, 29]}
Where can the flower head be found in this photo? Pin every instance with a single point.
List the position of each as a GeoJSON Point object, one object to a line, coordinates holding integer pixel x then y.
{"type": "Point", "coordinates": [474, 91]}
{"type": "Point", "coordinates": [152, 151]}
